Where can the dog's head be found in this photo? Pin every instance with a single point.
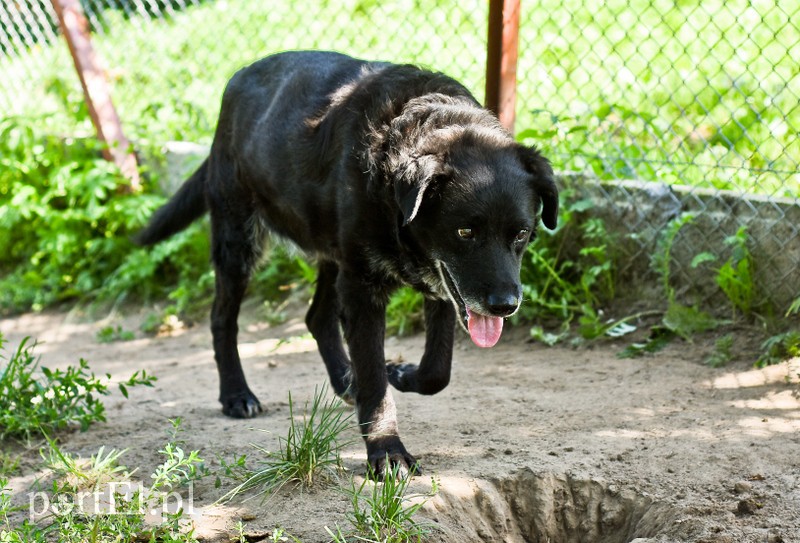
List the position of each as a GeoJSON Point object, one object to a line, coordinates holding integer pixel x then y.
{"type": "Point", "coordinates": [471, 200]}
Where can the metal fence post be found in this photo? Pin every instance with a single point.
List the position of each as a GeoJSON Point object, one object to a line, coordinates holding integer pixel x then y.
{"type": "Point", "coordinates": [75, 27]}
{"type": "Point", "coordinates": [501, 60]}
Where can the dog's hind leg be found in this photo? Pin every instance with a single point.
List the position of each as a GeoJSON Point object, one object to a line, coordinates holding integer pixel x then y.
{"type": "Point", "coordinates": [234, 252]}
{"type": "Point", "coordinates": [322, 321]}
{"type": "Point", "coordinates": [433, 373]}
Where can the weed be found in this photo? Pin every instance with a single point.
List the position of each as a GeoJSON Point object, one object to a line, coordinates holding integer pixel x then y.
{"type": "Point", "coordinates": [723, 352]}
{"type": "Point", "coordinates": [101, 469]}
{"type": "Point", "coordinates": [9, 464]}
{"type": "Point", "coordinates": [235, 469]}
{"type": "Point", "coordinates": [662, 257]}
{"type": "Point", "coordinates": [54, 399]}
{"type": "Point", "coordinates": [309, 452]}
{"type": "Point", "coordinates": [735, 277]}
{"type": "Point", "coordinates": [385, 513]}
{"type": "Point", "coordinates": [678, 319]}
{"type": "Point", "coordinates": [116, 510]}
{"type": "Point", "coordinates": [660, 337]}
{"type": "Point", "coordinates": [109, 334]}
{"type": "Point", "coordinates": [280, 535]}
{"type": "Point", "coordinates": [779, 347]}
{"type": "Point", "coordinates": [570, 287]}
{"type": "Point", "coordinates": [794, 307]}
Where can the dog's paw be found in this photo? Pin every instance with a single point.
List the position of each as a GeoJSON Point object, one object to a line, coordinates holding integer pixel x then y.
{"type": "Point", "coordinates": [392, 459]}
{"type": "Point", "coordinates": [402, 376]}
{"type": "Point", "coordinates": [241, 406]}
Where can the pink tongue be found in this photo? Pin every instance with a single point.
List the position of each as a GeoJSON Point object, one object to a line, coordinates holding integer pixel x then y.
{"type": "Point", "coordinates": [484, 331]}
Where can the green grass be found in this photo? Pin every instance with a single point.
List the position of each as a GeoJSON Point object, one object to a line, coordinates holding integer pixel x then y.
{"type": "Point", "coordinates": [307, 455]}
{"type": "Point", "coordinates": [383, 512]}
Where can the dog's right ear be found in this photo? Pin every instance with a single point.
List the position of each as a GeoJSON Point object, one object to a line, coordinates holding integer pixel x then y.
{"type": "Point", "coordinates": [413, 180]}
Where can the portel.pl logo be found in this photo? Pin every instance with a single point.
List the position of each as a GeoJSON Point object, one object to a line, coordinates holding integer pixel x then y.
{"type": "Point", "coordinates": [114, 498]}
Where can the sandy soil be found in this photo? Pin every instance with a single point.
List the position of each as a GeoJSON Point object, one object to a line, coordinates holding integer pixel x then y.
{"type": "Point", "coordinates": [529, 443]}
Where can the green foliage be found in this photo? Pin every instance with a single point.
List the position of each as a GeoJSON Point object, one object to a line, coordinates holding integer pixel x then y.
{"type": "Point", "coordinates": [794, 307]}
{"type": "Point", "coordinates": [723, 352]}
{"type": "Point", "coordinates": [687, 321]}
{"type": "Point", "coordinates": [384, 514]}
{"type": "Point", "coordinates": [309, 452]}
{"type": "Point", "coordinates": [46, 401]}
{"type": "Point", "coordinates": [569, 287]}
{"type": "Point", "coordinates": [660, 337]}
{"type": "Point", "coordinates": [779, 347]}
{"type": "Point", "coordinates": [404, 313]}
{"type": "Point", "coordinates": [109, 334]}
{"type": "Point", "coordinates": [66, 220]}
{"type": "Point", "coordinates": [735, 277]}
{"type": "Point", "coordinates": [102, 479]}
{"type": "Point", "coordinates": [678, 320]}
{"type": "Point", "coordinates": [662, 258]}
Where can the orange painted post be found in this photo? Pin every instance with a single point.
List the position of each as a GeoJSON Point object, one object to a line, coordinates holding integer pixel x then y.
{"type": "Point", "coordinates": [501, 60]}
{"type": "Point", "coordinates": [95, 88]}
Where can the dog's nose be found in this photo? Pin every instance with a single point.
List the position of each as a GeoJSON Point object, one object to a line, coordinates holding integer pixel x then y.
{"type": "Point", "coordinates": [502, 305]}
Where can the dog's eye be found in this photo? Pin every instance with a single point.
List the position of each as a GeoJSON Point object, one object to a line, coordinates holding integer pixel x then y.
{"type": "Point", "coordinates": [522, 236]}
{"type": "Point", "coordinates": [465, 233]}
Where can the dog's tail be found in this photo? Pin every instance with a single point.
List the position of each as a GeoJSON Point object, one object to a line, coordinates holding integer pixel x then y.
{"type": "Point", "coordinates": [185, 207]}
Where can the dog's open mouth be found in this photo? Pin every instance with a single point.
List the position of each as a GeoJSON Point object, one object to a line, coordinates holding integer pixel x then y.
{"type": "Point", "coordinates": [484, 330]}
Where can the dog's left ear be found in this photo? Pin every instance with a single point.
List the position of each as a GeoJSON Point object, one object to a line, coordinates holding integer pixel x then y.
{"type": "Point", "coordinates": [413, 180]}
{"type": "Point", "coordinates": [543, 183]}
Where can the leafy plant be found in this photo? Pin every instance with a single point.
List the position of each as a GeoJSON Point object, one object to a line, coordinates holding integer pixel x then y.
{"type": "Point", "coordinates": [120, 510]}
{"type": "Point", "coordinates": [109, 334]}
{"type": "Point", "coordinates": [735, 277]}
{"type": "Point", "coordinates": [565, 286]}
{"type": "Point", "coordinates": [45, 401]}
{"type": "Point", "coordinates": [309, 452]}
{"type": "Point", "coordinates": [723, 352]}
{"type": "Point", "coordinates": [66, 223]}
{"type": "Point", "coordinates": [660, 337]}
{"type": "Point", "coordinates": [779, 347]}
{"type": "Point", "coordinates": [662, 257]}
{"type": "Point", "coordinates": [384, 514]}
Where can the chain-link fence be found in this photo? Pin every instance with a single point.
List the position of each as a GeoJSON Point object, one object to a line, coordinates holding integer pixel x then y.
{"type": "Point", "coordinates": [699, 95]}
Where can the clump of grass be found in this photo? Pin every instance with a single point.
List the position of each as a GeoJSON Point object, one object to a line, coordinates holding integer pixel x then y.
{"type": "Point", "coordinates": [385, 513]}
{"type": "Point", "coordinates": [309, 452]}
{"type": "Point", "coordinates": [80, 474]}
{"type": "Point", "coordinates": [42, 401]}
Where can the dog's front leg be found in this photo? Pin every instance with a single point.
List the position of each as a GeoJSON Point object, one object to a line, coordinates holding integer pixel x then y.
{"type": "Point", "coordinates": [363, 310]}
{"type": "Point", "coordinates": [433, 373]}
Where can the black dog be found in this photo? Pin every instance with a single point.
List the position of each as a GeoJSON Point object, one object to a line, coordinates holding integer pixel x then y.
{"type": "Point", "coordinates": [387, 175]}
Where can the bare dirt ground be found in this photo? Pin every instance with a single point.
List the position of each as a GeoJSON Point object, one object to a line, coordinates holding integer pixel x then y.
{"type": "Point", "coordinates": [529, 443]}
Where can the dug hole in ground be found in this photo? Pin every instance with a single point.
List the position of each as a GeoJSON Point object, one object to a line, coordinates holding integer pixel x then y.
{"type": "Point", "coordinates": [529, 443]}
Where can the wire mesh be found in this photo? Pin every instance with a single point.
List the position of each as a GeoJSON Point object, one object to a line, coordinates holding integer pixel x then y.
{"type": "Point", "coordinates": [703, 98]}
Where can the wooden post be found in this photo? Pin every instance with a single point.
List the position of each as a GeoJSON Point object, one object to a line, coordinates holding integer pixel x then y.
{"type": "Point", "coordinates": [96, 91]}
{"type": "Point", "coordinates": [501, 60]}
